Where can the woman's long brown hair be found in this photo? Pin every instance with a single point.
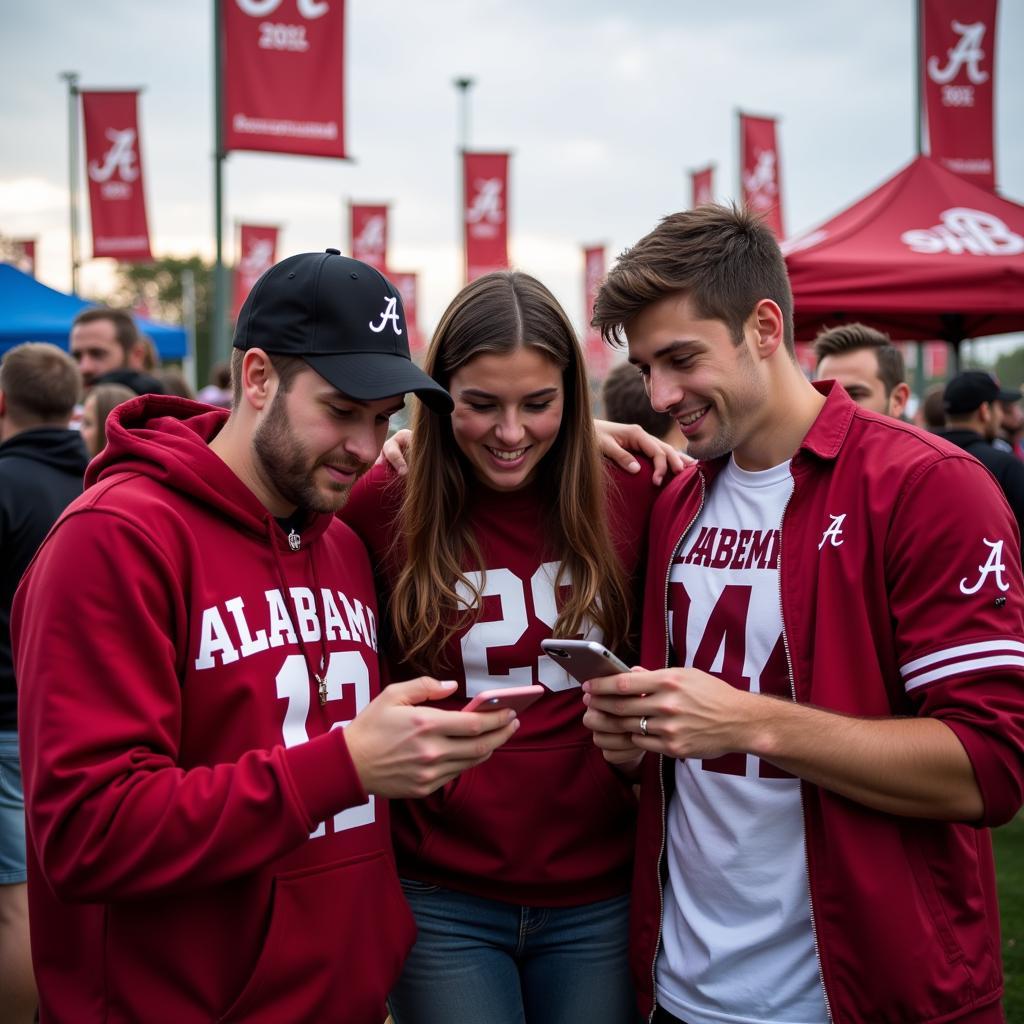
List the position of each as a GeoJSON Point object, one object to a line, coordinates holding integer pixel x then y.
{"type": "Point", "coordinates": [497, 314]}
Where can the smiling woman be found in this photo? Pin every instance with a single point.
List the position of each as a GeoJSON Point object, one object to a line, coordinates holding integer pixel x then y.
{"type": "Point", "coordinates": [508, 530]}
{"type": "Point", "coordinates": [508, 412]}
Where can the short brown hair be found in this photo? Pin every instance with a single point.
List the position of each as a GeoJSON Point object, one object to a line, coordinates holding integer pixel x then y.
{"type": "Point", "coordinates": [286, 368]}
{"type": "Point", "coordinates": [933, 408]}
{"type": "Point", "coordinates": [125, 331]}
{"type": "Point", "coordinates": [724, 259]}
{"type": "Point", "coordinates": [626, 401]}
{"type": "Point", "coordinates": [41, 383]}
{"type": "Point", "coordinates": [852, 338]}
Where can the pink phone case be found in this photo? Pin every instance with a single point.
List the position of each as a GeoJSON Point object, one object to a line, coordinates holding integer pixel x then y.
{"type": "Point", "coordinates": [516, 697]}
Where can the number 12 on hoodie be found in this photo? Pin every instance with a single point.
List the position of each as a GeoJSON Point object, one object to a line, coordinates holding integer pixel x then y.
{"type": "Point", "coordinates": [344, 668]}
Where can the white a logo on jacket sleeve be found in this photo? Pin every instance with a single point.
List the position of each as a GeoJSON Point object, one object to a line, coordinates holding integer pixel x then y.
{"type": "Point", "coordinates": [390, 313]}
{"type": "Point", "coordinates": [994, 565]}
{"type": "Point", "coordinates": [834, 534]}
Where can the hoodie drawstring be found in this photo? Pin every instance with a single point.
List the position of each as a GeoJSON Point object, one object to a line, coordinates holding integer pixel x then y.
{"type": "Point", "coordinates": [316, 674]}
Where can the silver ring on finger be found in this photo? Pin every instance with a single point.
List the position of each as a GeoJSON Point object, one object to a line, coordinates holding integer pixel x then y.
{"type": "Point", "coordinates": [643, 726]}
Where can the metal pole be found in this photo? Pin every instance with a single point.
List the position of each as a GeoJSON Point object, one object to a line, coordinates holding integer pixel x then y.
{"type": "Point", "coordinates": [463, 85]}
{"type": "Point", "coordinates": [219, 332]}
{"type": "Point", "coordinates": [738, 142]}
{"type": "Point", "coordinates": [918, 85]}
{"type": "Point", "coordinates": [188, 321]}
{"type": "Point", "coordinates": [71, 77]}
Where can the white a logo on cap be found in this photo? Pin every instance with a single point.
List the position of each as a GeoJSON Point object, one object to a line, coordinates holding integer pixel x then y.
{"type": "Point", "coordinates": [390, 313]}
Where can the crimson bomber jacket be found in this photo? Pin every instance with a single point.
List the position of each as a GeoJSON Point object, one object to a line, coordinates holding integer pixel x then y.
{"type": "Point", "coordinates": [901, 595]}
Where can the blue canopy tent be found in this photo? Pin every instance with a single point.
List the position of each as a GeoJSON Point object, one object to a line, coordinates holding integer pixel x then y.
{"type": "Point", "coordinates": [30, 311]}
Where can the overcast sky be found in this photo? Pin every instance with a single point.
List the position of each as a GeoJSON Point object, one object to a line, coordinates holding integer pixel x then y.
{"type": "Point", "coordinates": [605, 105]}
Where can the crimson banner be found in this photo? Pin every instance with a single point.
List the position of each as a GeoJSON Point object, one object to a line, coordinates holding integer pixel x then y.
{"type": "Point", "coordinates": [257, 252]}
{"type": "Point", "coordinates": [485, 212]}
{"type": "Point", "coordinates": [113, 161]}
{"type": "Point", "coordinates": [958, 65]}
{"type": "Point", "coordinates": [936, 359]}
{"type": "Point", "coordinates": [368, 231]}
{"type": "Point", "coordinates": [702, 186]}
{"type": "Point", "coordinates": [760, 178]}
{"type": "Point", "coordinates": [406, 283]}
{"type": "Point", "coordinates": [25, 257]}
{"type": "Point", "coordinates": [596, 351]}
{"type": "Point", "coordinates": [284, 76]}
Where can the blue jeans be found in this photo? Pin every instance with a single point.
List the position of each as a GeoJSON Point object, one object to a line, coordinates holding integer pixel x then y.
{"type": "Point", "coordinates": [12, 813]}
{"type": "Point", "coordinates": [478, 961]}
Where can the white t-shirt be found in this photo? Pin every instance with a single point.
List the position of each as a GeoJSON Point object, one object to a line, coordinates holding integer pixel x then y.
{"type": "Point", "coordinates": [737, 942]}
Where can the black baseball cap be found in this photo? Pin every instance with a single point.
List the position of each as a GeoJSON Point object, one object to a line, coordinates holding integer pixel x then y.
{"type": "Point", "coordinates": [970, 389]}
{"type": "Point", "coordinates": [345, 319]}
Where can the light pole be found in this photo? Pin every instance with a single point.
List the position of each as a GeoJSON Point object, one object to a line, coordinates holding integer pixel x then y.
{"type": "Point", "coordinates": [71, 77]}
{"type": "Point", "coordinates": [463, 85]}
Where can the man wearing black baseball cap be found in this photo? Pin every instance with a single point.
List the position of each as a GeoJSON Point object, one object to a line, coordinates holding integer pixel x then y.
{"type": "Point", "coordinates": [971, 400]}
{"type": "Point", "coordinates": [344, 319]}
{"type": "Point", "coordinates": [207, 750]}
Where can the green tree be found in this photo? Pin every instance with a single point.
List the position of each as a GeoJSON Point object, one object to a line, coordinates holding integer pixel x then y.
{"type": "Point", "coordinates": [1009, 368]}
{"type": "Point", "coordinates": [158, 286]}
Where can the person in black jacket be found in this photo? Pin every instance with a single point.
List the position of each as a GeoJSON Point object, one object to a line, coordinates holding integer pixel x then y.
{"type": "Point", "coordinates": [973, 414]}
{"type": "Point", "coordinates": [41, 468]}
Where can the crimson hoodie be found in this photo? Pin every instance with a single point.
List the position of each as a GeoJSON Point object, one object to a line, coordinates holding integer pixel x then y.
{"type": "Point", "coordinates": [200, 845]}
{"type": "Point", "coordinates": [545, 821]}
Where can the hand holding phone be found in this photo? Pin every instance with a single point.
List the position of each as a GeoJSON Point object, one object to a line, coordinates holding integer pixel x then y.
{"type": "Point", "coordinates": [516, 697]}
{"type": "Point", "coordinates": [584, 659]}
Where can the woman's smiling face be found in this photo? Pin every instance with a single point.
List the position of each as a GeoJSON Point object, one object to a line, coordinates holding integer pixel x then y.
{"type": "Point", "coordinates": [508, 411]}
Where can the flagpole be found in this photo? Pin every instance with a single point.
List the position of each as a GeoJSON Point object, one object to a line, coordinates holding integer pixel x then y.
{"type": "Point", "coordinates": [463, 85]}
{"type": "Point", "coordinates": [918, 85]}
{"type": "Point", "coordinates": [71, 77]}
{"type": "Point", "coordinates": [219, 333]}
{"type": "Point", "coordinates": [919, 377]}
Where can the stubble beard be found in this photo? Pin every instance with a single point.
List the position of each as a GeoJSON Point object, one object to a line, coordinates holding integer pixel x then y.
{"type": "Point", "coordinates": [288, 468]}
{"type": "Point", "coordinates": [749, 394]}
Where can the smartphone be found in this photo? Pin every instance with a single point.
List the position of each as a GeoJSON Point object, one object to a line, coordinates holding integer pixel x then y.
{"type": "Point", "coordinates": [519, 698]}
{"type": "Point", "coordinates": [584, 659]}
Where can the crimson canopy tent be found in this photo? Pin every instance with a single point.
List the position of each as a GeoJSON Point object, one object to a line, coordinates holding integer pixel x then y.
{"type": "Point", "coordinates": [927, 256]}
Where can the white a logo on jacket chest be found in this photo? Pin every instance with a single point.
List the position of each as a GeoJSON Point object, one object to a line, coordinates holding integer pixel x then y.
{"type": "Point", "coordinates": [994, 566]}
{"type": "Point", "coordinates": [834, 534]}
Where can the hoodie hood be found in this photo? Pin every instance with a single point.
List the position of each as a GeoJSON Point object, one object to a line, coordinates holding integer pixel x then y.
{"type": "Point", "coordinates": [58, 447]}
{"type": "Point", "coordinates": [167, 439]}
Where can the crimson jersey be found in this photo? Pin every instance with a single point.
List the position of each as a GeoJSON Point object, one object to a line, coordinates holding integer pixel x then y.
{"type": "Point", "coordinates": [200, 846]}
{"type": "Point", "coordinates": [545, 821]}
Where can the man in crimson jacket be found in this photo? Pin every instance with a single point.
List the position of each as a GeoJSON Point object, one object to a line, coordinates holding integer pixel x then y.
{"type": "Point", "coordinates": [831, 709]}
